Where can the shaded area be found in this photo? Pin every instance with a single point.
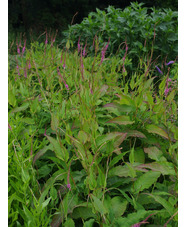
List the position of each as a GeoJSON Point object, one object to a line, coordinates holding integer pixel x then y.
{"type": "Point", "coordinates": [58, 14]}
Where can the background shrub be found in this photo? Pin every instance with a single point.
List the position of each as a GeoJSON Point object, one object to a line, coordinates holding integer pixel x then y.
{"type": "Point", "coordinates": [136, 25]}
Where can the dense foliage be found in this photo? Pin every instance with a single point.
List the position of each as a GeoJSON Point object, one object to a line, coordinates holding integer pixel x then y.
{"type": "Point", "coordinates": [87, 147]}
{"type": "Point", "coordinates": [134, 24]}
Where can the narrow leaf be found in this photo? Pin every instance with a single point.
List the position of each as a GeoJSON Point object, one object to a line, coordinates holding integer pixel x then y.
{"type": "Point", "coordinates": [121, 120]}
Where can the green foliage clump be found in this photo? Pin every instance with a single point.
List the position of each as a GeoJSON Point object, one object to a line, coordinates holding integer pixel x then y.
{"type": "Point", "coordinates": [137, 25]}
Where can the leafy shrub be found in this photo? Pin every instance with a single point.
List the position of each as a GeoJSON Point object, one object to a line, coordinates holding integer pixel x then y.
{"type": "Point", "coordinates": [134, 24]}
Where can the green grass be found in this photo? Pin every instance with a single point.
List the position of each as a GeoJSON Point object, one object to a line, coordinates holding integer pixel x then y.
{"type": "Point", "coordinates": [90, 145]}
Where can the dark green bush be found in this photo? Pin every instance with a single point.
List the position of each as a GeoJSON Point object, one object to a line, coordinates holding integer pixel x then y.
{"type": "Point", "coordinates": [136, 25]}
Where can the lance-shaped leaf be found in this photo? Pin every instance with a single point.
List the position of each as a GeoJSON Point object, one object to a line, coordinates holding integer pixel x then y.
{"type": "Point", "coordinates": [123, 171]}
{"type": "Point", "coordinates": [126, 99]}
{"type": "Point", "coordinates": [166, 168]}
{"type": "Point", "coordinates": [121, 120]}
{"type": "Point", "coordinates": [134, 133]}
{"type": "Point", "coordinates": [117, 137]}
{"type": "Point", "coordinates": [163, 202]}
{"type": "Point", "coordinates": [54, 122]}
{"type": "Point", "coordinates": [146, 180]}
{"type": "Point", "coordinates": [59, 149]}
{"type": "Point", "coordinates": [121, 108]}
{"type": "Point", "coordinates": [23, 107]}
{"type": "Point", "coordinates": [42, 152]}
{"type": "Point", "coordinates": [157, 130]}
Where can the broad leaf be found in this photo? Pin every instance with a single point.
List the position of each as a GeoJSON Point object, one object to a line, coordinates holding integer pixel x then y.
{"type": "Point", "coordinates": [98, 205]}
{"type": "Point", "coordinates": [118, 205]}
{"type": "Point", "coordinates": [146, 180]}
{"type": "Point", "coordinates": [154, 153]}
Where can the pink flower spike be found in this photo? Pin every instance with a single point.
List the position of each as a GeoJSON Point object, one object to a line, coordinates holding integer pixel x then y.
{"type": "Point", "coordinates": [69, 186]}
{"type": "Point", "coordinates": [18, 50]}
{"type": "Point", "coordinates": [84, 51]}
{"type": "Point", "coordinates": [167, 91]}
{"type": "Point", "coordinates": [23, 50]}
{"type": "Point", "coordinates": [64, 65]}
{"type": "Point", "coordinates": [66, 85]}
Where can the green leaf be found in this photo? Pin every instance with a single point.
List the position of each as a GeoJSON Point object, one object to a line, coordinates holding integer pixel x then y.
{"type": "Point", "coordinates": [25, 176]}
{"type": "Point", "coordinates": [170, 97]}
{"type": "Point", "coordinates": [89, 223]}
{"type": "Point", "coordinates": [53, 193]}
{"type": "Point", "coordinates": [54, 122]}
{"type": "Point", "coordinates": [121, 120]}
{"type": "Point", "coordinates": [139, 155]}
{"type": "Point", "coordinates": [170, 209]}
{"type": "Point", "coordinates": [146, 180]}
{"type": "Point", "coordinates": [83, 212]}
{"type": "Point", "coordinates": [134, 133]}
{"type": "Point", "coordinates": [166, 168]}
{"type": "Point", "coordinates": [61, 153]}
{"type": "Point", "coordinates": [101, 178]}
{"type": "Point", "coordinates": [46, 202]}
{"type": "Point", "coordinates": [118, 205]}
{"type": "Point", "coordinates": [83, 137]}
{"type": "Point", "coordinates": [68, 44]}
{"type": "Point", "coordinates": [122, 171]}
{"type": "Point", "coordinates": [42, 152]}
{"type": "Point", "coordinates": [69, 223]}
{"type": "Point", "coordinates": [117, 137]}
{"type": "Point", "coordinates": [154, 153]}
{"type": "Point", "coordinates": [28, 120]}
{"type": "Point", "coordinates": [44, 170]}
{"type": "Point", "coordinates": [57, 219]}
{"type": "Point", "coordinates": [29, 215]}
{"type": "Point", "coordinates": [98, 205]}
{"type": "Point", "coordinates": [131, 155]}
{"type": "Point", "coordinates": [132, 218]}
{"type": "Point", "coordinates": [117, 158]}
{"type": "Point", "coordinates": [157, 130]}
{"type": "Point", "coordinates": [148, 83]}
{"type": "Point", "coordinates": [11, 98]}
{"type": "Point", "coordinates": [20, 108]}
{"type": "Point", "coordinates": [126, 99]}
{"type": "Point", "coordinates": [121, 108]}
